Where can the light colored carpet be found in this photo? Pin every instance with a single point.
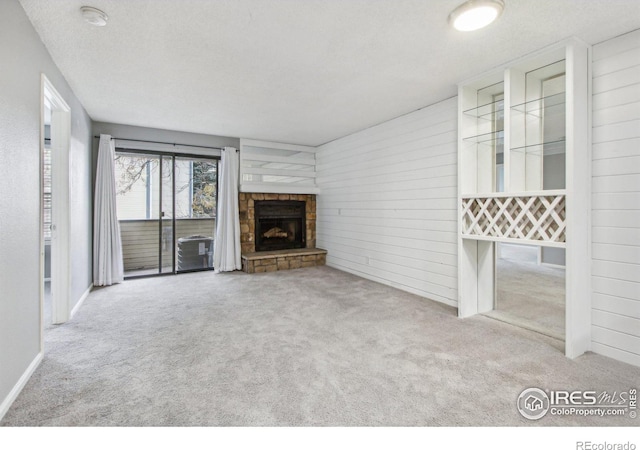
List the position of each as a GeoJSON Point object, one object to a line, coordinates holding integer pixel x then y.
{"type": "Point", "coordinates": [312, 346]}
{"type": "Point", "coordinates": [529, 294]}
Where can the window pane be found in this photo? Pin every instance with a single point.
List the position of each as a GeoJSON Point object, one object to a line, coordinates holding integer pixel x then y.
{"type": "Point", "coordinates": [137, 186]}
{"type": "Point", "coordinates": [137, 190]}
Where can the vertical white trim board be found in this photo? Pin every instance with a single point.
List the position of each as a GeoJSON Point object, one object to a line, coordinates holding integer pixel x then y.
{"type": "Point", "coordinates": [17, 388]}
{"type": "Point", "coordinates": [578, 162]}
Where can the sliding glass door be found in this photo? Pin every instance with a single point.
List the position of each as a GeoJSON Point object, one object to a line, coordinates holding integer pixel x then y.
{"type": "Point", "coordinates": [139, 213]}
{"type": "Point", "coordinates": [166, 210]}
{"type": "Point", "coordinates": [166, 252]}
{"type": "Point", "coordinates": [196, 194]}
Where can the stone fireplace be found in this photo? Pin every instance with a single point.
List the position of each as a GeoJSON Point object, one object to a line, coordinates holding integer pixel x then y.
{"type": "Point", "coordinates": [278, 232]}
{"type": "Point", "coordinates": [247, 207]}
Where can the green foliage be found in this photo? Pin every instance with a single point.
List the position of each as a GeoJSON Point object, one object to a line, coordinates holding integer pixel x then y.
{"type": "Point", "coordinates": [204, 189]}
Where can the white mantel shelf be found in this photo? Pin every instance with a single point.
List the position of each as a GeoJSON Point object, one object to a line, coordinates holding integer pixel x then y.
{"type": "Point", "coordinates": [267, 188]}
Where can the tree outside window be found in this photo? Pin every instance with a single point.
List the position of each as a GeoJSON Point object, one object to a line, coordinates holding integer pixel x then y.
{"type": "Point", "coordinates": [137, 186]}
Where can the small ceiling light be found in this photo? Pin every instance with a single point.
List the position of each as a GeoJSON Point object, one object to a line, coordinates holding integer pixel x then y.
{"type": "Point", "coordinates": [94, 16]}
{"type": "Point", "coordinates": [475, 14]}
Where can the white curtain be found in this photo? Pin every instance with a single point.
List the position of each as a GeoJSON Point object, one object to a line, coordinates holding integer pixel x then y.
{"type": "Point", "coordinates": [107, 246]}
{"type": "Point", "coordinates": [226, 251]}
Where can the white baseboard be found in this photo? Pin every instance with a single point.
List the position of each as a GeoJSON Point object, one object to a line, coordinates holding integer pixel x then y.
{"type": "Point", "coordinates": [81, 301]}
{"type": "Point", "coordinates": [553, 266]}
{"type": "Point", "coordinates": [8, 401]}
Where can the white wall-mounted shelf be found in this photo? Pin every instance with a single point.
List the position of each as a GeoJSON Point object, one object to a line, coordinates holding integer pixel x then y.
{"type": "Point", "coordinates": [272, 167]}
{"type": "Point", "coordinates": [553, 192]}
{"type": "Point", "coordinates": [516, 241]}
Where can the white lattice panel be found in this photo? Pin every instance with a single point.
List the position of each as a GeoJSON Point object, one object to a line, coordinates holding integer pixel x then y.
{"type": "Point", "coordinates": [536, 218]}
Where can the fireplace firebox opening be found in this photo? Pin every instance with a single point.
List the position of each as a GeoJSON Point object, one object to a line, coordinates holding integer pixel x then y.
{"type": "Point", "coordinates": [279, 225]}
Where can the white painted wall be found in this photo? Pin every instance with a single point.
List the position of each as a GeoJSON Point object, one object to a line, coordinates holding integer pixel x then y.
{"type": "Point", "coordinates": [387, 203]}
{"type": "Point", "coordinates": [24, 58]}
{"type": "Point", "coordinates": [616, 198]}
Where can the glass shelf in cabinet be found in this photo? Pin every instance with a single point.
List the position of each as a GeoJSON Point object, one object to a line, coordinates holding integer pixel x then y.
{"type": "Point", "coordinates": [545, 106]}
{"type": "Point", "coordinates": [490, 111]}
{"type": "Point", "coordinates": [546, 148]}
{"type": "Point", "coordinates": [495, 137]}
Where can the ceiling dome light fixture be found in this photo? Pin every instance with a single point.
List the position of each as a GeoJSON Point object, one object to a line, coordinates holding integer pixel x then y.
{"type": "Point", "coordinates": [94, 16]}
{"type": "Point", "coordinates": [475, 14]}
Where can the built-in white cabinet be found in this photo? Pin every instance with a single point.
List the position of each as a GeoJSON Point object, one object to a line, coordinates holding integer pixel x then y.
{"type": "Point", "coordinates": [537, 126]}
{"type": "Point", "coordinates": [482, 127]}
{"type": "Point", "coordinates": [523, 174]}
{"type": "Point", "coordinates": [511, 122]}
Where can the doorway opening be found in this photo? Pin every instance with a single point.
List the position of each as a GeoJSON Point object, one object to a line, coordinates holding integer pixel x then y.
{"type": "Point", "coordinates": [54, 199]}
{"type": "Point", "coordinates": [46, 213]}
{"type": "Point", "coordinates": [166, 210]}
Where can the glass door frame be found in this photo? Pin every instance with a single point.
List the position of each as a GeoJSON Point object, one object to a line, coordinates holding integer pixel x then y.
{"type": "Point", "coordinates": [162, 156]}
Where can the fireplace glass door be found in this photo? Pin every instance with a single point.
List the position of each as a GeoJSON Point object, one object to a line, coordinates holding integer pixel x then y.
{"type": "Point", "coordinates": [280, 225]}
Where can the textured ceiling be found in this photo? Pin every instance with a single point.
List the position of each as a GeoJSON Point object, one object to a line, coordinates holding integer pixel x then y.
{"type": "Point", "coordinates": [297, 71]}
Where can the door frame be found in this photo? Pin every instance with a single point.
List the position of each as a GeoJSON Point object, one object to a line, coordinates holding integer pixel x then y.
{"type": "Point", "coordinates": [60, 204]}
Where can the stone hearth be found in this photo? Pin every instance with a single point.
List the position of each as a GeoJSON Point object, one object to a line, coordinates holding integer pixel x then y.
{"type": "Point", "coordinates": [283, 260]}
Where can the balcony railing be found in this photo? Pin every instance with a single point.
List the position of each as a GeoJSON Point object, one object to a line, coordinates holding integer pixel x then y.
{"type": "Point", "coordinates": [141, 240]}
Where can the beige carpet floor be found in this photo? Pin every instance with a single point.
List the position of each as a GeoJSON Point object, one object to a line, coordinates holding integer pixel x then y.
{"type": "Point", "coordinates": [310, 346]}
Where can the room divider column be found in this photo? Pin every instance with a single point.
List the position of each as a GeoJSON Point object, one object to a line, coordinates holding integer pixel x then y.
{"type": "Point", "coordinates": [511, 119]}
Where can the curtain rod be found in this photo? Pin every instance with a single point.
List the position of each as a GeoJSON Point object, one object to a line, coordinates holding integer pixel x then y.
{"type": "Point", "coordinates": [167, 143]}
